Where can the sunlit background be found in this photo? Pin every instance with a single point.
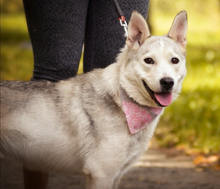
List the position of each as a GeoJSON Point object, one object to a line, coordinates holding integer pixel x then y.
{"type": "Point", "coordinates": [192, 121]}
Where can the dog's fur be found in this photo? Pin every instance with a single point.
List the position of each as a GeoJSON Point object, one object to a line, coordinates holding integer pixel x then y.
{"type": "Point", "coordinates": [79, 124]}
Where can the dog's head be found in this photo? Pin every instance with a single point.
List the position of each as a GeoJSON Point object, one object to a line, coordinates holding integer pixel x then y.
{"type": "Point", "coordinates": [153, 67]}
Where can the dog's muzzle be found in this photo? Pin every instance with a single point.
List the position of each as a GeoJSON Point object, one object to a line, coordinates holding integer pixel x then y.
{"type": "Point", "coordinates": [163, 98]}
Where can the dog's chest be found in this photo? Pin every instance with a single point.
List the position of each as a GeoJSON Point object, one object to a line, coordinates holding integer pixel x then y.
{"type": "Point", "coordinates": [135, 148]}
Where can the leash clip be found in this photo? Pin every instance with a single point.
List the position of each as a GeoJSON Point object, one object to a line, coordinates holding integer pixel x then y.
{"type": "Point", "coordinates": [124, 25]}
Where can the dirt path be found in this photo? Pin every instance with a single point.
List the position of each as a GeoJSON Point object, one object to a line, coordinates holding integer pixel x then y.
{"type": "Point", "coordinates": [153, 170]}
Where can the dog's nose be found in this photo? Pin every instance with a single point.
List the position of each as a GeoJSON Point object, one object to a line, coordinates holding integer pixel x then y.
{"type": "Point", "coordinates": [167, 83]}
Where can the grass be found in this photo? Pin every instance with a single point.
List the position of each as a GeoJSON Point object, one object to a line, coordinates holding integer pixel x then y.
{"type": "Point", "coordinates": [16, 53]}
{"type": "Point", "coordinates": [193, 120]}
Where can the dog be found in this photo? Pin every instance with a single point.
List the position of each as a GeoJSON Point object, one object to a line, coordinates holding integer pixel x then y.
{"type": "Point", "coordinates": [98, 123]}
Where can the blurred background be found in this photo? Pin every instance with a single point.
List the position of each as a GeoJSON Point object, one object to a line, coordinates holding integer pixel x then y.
{"type": "Point", "coordinates": [193, 121]}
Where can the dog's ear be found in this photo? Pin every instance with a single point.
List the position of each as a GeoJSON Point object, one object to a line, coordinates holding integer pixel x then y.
{"type": "Point", "coordinates": [178, 29]}
{"type": "Point", "coordinates": [137, 30]}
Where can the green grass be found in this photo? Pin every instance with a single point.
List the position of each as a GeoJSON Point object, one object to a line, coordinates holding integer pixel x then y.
{"type": "Point", "coordinates": [193, 120]}
{"type": "Point", "coordinates": [16, 54]}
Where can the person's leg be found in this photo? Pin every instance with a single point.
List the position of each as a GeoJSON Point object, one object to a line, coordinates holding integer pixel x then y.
{"type": "Point", "coordinates": [104, 34]}
{"type": "Point", "coordinates": [35, 179]}
{"type": "Point", "coordinates": [56, 29]}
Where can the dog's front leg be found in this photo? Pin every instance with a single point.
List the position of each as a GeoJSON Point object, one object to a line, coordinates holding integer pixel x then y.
{"type": "Point", "coordinates": [35, 179]}
{"type": "Point", "coordinates": [117, 181]}
{"type": "Point", "coordinates": [99, 183]}
{"type": "Point", "coordinates": [119, 176]}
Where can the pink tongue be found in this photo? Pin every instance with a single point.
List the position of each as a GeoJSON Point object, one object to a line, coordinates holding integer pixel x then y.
{"type": "Point", "coordinates": [164, 98]}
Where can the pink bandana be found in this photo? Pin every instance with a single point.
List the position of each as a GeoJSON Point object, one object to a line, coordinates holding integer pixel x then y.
{"type": "Point", "coordinates": [138, 116]}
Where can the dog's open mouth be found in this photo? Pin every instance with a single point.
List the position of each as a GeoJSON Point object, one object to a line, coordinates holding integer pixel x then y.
{"type": "Point", "coordinates": [161, 99]}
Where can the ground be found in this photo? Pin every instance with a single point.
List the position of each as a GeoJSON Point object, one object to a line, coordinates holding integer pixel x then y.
{"type": "Point", "coordinates": [156, 169]}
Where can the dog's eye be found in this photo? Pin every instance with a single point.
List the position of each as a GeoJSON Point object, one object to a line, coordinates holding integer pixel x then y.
{"type": "Point", "coordinates": [175, 60]}
{"type": "Point", "coordinates": [149, 60]}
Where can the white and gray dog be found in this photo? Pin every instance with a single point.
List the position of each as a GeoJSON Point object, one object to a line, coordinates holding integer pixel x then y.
{"type": "Point", "coordinates": [101, 122]}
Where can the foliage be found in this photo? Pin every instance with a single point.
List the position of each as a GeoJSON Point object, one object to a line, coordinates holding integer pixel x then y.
{"type": "Point", "coordinates": [193, 120]}
{"type": "Point", "coordinates": [16, 52]}
{"type": "Point", "coordinates": [11, 6]}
